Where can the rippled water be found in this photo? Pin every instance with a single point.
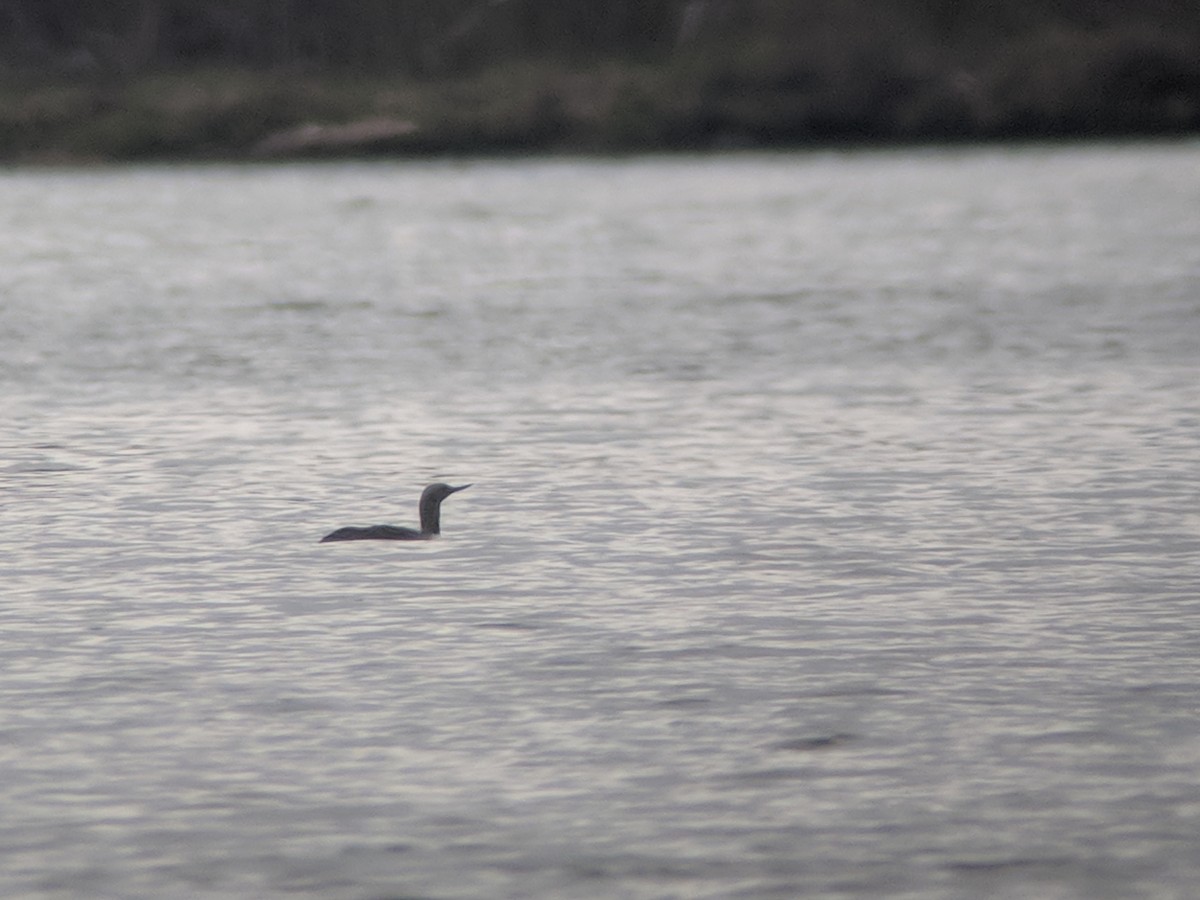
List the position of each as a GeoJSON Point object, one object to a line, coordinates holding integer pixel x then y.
{"type": "Point", "coordinates": [834, 528]}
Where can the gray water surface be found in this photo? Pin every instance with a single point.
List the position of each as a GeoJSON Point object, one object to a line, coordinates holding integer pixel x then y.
{"type": "Point", "coordinates": [834, 528]}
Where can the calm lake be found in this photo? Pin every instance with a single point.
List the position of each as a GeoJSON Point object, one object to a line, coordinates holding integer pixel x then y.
{"type": "Point", "coordinates": [834, 528]}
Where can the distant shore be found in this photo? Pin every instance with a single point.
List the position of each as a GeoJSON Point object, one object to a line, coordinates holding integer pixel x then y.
{"type": "Point", "coordinates": [1072, 85]}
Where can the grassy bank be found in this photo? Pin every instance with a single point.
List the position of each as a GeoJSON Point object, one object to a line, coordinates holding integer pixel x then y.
{"type": "Point", "coordinates": [878, 87]}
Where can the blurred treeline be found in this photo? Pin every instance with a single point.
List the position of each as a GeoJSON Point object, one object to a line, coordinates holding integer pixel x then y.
{"type": "Point", "coordinates": [173, 77]}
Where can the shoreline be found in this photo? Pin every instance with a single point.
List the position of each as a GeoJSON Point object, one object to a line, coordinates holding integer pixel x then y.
{"type": "Point", "coordinates": [1122, 90]}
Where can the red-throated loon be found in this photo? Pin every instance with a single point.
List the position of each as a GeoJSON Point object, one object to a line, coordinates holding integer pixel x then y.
{"type": "Point", "coordinates": [431, 524]}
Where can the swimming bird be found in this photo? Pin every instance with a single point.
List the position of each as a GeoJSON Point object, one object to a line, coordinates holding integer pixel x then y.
{"type": "Point", "coordinates": [431, 521]}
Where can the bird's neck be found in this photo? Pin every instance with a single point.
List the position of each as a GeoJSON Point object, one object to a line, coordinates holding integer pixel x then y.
{"type": "Point", "coordinates": [431, 517]}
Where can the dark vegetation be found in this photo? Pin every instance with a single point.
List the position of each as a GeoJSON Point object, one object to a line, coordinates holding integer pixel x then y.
{"type": "Point", "coordinates": [120, 79]}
